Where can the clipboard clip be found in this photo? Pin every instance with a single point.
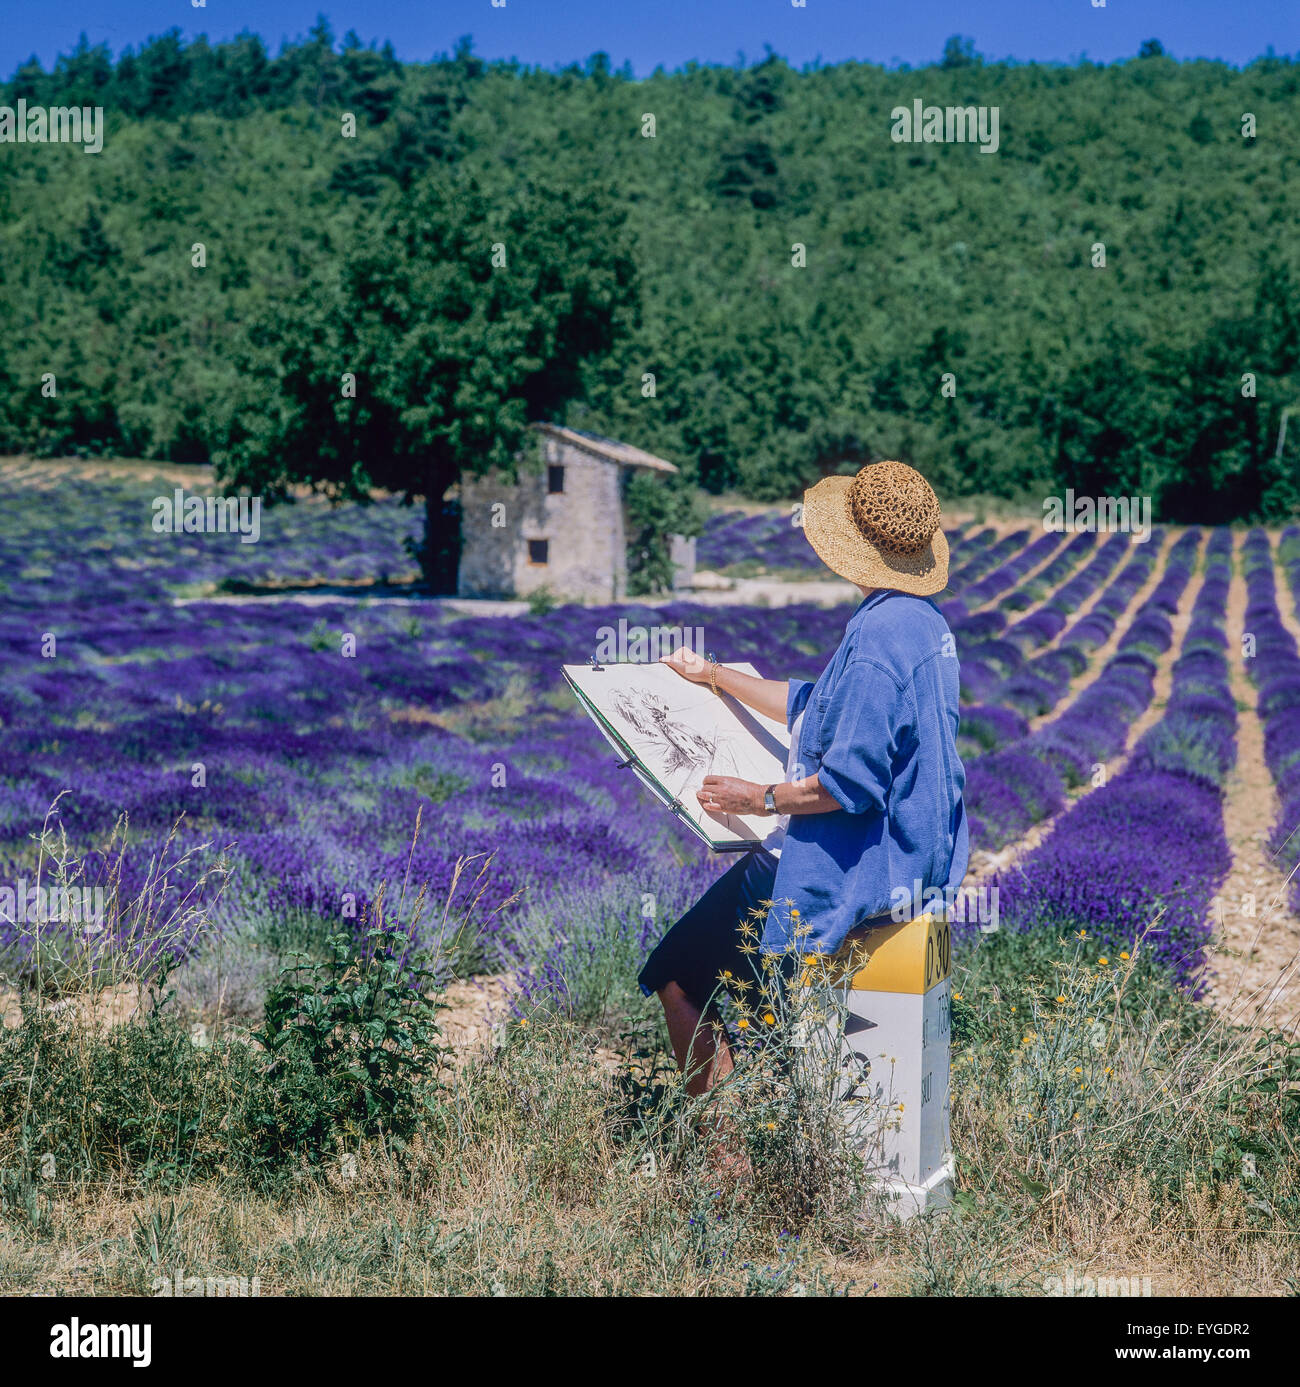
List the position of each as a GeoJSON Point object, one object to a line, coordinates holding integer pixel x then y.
{"type": "Point", "coordinates": [623, 765]}
{"type": "Point", "coordinates": [591, 660]}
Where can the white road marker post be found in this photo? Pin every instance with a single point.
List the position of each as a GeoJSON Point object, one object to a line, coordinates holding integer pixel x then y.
{"type": "Point", "coordinates": [894, 1061]}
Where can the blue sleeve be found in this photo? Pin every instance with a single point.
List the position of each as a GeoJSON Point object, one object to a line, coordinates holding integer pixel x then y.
{"type": "Point", "coordinates": [860, 735]}
{"type": "Point", "coordinates": [795, 700]}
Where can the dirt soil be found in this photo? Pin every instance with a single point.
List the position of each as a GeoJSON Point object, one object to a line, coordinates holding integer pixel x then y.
{"type": "Point", "coordinates": [1256, 977]}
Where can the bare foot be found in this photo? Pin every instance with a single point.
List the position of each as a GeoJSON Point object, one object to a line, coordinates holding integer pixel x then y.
{"type": "Point", "coordinates": [725, 1156]}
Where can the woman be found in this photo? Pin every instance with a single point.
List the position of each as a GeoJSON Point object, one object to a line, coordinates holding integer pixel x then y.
{"type": "Point", "coordinates": [872, 799]}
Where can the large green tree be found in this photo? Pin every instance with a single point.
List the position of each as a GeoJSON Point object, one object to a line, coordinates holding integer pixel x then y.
{"type": "Point", "coordinates": [422, 351]}
{"type": "Point", "coordinates": [1080, 309]}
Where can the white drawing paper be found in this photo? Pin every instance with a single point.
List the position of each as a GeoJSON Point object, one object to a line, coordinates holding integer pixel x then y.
{"type": "Point", "coordinates": [676, 732]}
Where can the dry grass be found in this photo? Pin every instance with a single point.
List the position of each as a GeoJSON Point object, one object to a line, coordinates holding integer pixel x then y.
{"type": "Point", "coordinates": [1104, 1126]}
{"type": "Point", "coordinates": [533, 1182]}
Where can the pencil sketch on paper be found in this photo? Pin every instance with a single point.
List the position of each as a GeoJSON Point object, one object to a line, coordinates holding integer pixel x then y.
{"type": "Point", "coordinates": [672, 742]}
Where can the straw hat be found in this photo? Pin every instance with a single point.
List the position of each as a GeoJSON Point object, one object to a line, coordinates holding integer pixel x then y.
{"type": "Point", "coordinates": [879, 529]}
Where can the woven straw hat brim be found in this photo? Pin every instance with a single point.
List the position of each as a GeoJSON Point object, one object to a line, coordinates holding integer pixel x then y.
{"type": "Point", "coordinates": [844, 549]}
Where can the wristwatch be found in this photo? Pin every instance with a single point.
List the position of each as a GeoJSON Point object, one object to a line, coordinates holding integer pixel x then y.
{"type": "Point", "coordinates": [769, 800]}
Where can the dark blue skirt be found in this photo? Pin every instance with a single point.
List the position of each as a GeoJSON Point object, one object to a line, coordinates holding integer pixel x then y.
{"type": "Point", "coordinates": [705, 943]}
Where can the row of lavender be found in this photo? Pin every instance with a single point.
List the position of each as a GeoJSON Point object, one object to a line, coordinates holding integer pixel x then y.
{"type": "Point", "coordinates": [774, 540]}
{"type": "Point", "coordinates": [968, 569]}
{"type": "Point", "coordinates": [1008, 580]}
{"type": "Point", "coordinates": [74, 539]}
{"type": "Point", "coordinates": [1004, 686]}
{"type": "Point", "coordinates": [1142, 857]}
{"type": "Point", "coordinates": [1003, 677]}
{"type": "Point", "coordinates": [1011, 789]}
{"type": "Point", "coordinates": [975, 630]}
{"type": "Point", "coordinates": [1274, 666]}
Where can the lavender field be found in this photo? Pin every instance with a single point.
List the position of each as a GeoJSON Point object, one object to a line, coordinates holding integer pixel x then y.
{"type": "Point", "coordinates": [158, 676]}
{"type": "Point", "coordinates": [270, 743]}
{"type": "Point", "coordinates": [304, 767]}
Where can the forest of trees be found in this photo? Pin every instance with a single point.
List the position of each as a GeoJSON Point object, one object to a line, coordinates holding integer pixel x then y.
{"type": "Point", "coordinates": [671, 258]}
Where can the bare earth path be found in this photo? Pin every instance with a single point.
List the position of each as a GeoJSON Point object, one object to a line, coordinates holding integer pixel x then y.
{"type": "Point", "coordinates": [1256, 935]}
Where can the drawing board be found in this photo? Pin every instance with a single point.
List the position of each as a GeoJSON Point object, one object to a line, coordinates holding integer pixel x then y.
{"type": "Point", "coordinates": [673, 733]}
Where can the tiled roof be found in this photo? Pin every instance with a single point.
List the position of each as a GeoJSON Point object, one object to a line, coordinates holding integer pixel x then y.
{"type": "Point", "coordinates": [608, 449]}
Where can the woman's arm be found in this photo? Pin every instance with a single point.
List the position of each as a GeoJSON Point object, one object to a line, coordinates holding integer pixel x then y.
{"type": "Point", "coordinates": [766, 696]}
{"type": "Point", "coordinates": [724, 794]}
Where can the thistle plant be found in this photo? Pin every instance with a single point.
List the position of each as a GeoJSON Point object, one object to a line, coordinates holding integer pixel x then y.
{"type": "Point", "coordinates": [797, 1098]}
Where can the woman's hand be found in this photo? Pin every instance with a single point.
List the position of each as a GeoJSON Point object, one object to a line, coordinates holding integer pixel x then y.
{"type": "Point", "coordinates": [688, 664]}
{"type": "Point", "coordinates": [766, 696]}
{"type": "Point", "coordinates": [722, 794]}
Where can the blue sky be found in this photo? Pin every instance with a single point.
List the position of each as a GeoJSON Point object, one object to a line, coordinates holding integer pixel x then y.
{"type": "Point", "coordinates": [672, 32]}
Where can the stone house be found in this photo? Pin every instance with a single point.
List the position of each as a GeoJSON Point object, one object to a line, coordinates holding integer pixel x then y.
{"type": "Point", "coordinates": [563, 527]}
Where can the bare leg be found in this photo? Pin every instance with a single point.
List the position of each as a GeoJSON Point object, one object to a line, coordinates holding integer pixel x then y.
{"type": "Point", "coordinates": [699, 1042]}
{"type": "Point", "coordinates": [704, 1057]}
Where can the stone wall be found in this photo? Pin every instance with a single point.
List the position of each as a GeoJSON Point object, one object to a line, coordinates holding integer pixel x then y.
{"type": "Point", "coordinates": [583, 525]}
{"type": "Point", "coordinates": [681, 554]}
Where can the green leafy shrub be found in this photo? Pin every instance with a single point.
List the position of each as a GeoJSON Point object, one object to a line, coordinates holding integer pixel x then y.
{"type": "Point", "coordinates": [541, 601]}
{"type": "Point", "coordinates": [352, 1048]}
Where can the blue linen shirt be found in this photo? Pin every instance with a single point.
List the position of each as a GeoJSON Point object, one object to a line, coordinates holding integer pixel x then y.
{"type": "Point", "coordinates": [880, 732]}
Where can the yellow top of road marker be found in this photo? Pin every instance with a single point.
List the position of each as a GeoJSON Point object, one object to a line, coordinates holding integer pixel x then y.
{"type": "Point", "coordinates": [907, 956]}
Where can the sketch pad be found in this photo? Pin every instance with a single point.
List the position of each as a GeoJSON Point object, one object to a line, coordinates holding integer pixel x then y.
{"type": "Point", "coordinates": [673, 733]}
